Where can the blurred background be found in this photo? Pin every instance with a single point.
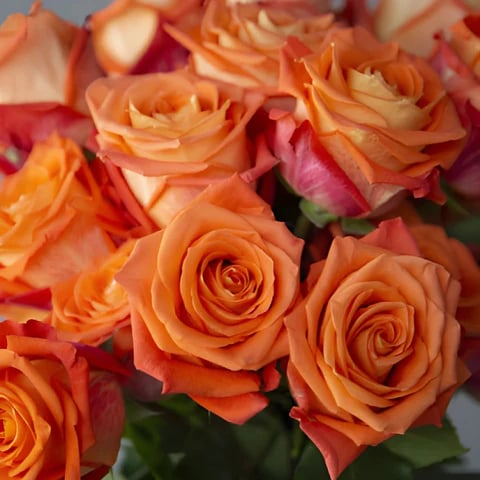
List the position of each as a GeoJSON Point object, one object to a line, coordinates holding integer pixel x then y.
{"type": "Point", "coordinates": [73, 10]}
{"type": "Point", "coordinates": [463, 411]}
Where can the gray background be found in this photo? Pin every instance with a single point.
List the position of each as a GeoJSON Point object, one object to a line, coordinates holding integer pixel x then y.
{"type": "Point", "coordinates": [74, 10]}
{"type": "Point", "coordinates": [464, 412]}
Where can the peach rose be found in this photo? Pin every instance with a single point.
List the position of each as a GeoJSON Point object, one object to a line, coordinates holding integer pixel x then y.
{"type": "Point", "coordinates": [91, 306]}
{"type": "Point", "coordinates": [52, 426]}
{"type": "Point", "coordinates": [128, 35]}
{"type": "Point", "coordinates": [435, 245]}
{"type": "Point", "coordinates": [373, 345]}
{"type": "Point", "coordinates": [53, 221]}
{"type": "Point", "coordinates": [413, 24]}
{"type": "Point", "coordinates": [370, 124]}
{"type": "Point", "coordinates": [45, 59]}
{"type": "Point", "coordinates": [208, 296]}
{"type": "Point", "coordinates": [172, 134]}
{"type": "Point", "coordinates": [240, 43]}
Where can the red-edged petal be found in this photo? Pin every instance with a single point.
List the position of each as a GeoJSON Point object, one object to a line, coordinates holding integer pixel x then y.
{"type": "Point", "coordinates": [338, 451]}
{"type": "Point", "coordinates": [312, 171]}
{"type": "Point", "coordinates": [236, 409]}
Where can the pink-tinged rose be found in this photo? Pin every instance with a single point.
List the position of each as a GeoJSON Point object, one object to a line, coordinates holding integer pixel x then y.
{"type": "Point", "coordinates": [454, 60]}
{"type": "Point", "coordinates": [43, 58]}
{"type": "Point", "coordinates": [311, 171]}
{"type": "Point", "coordinates": [172, 134]}
{"type": "Point", "coordinates": [240, 42]}
{"type": "Point", "coordinates": [92, 305]}
{"type": "Point", "coordinates": [62, 415]}
{"type": "Point", "coordinates": [464, 175]}
{"type": "Point", "coordinates": [373, 344]}
{"type": "Point", "coordinates": [24, 304]}
{"type": "Point", "coordinates": [209, 294]}
{"type": "Point", "coordinates": [53, 219]}
{"type": "Point", "coordinates": [464, 38]}
{"type": "Point", "coordinates": [128, 35]}
{"type": "Point", "coordinates": [370, 123]}
{"type": "Point", "coordinates": [21, 126]}
{"type": "Point", "coordinates": [413, 24]}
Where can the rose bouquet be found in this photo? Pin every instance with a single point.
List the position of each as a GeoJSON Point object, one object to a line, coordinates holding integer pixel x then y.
{"type": "Point", "coordinates": [238, 239]}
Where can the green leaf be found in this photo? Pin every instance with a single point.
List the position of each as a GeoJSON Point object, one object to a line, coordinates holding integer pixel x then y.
{"type": "Point", "coordinates": [311, 465]}
{"type": "Point", "coordinates": [424, 446]}
{"type": "Point", "coordinates": [316, 214]}
{"type": "Point", "coordinates": [211, 451]}
{"type": "Point", "coordinates": [146, 436]}
{"type": "Point", "coordinates": [158, 437]}
{"type": "Point", "coordinates": [377, 463]}
{"type": "Point", "coordinates": [453, 201]}
{"type": "Point", "coordinates": [467, 230]}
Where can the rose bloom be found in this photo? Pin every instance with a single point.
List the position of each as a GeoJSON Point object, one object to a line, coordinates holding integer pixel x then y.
{"type": "Point", "coordinates": [62, 415]}
{"type": "Point", "coordinates": [435, 245]}
{"type": "Point", "coordinates": [128, 35]}
{"type": "Point", "coordinates": [172, 134]}
{"type": "Point", "coordinates": [239, 42]}
{"type": "Point", "coordinates": [413, 24]}
{"type": "Point", "coordinates": [373, 345]}
{"type": "Point", "coordinates": [464, 38]}
{"type": "Point", "coordinates": [45, 59]}
{"type": "Point", "coordinates": [370, 124]}
{"type": "Point", "coordinates": [21, 126]}
{"type": "Point", "coordinates": [92, 305]}
{"type": "Point", "coordinates": [53, 221]}
{"type": "Point", "coordinates": [208, 297]}
{"type": "Point", "coordinates": [455, 60]}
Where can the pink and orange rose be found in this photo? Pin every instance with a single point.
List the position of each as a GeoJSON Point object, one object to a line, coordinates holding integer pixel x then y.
{"type": "Point", "coordinates": [62, 415]}
{"type": "Point", "coordinates": [455, 58]}
{"type": "Point", "coordinates": [370, 124]}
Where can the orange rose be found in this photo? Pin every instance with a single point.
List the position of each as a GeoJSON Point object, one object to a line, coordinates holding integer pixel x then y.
{"type": "Point", "coordinates": [373, 345]}
{"type": "Point", "coordinates": [44, 59]}
{"type": "Point", "coordinates": [53, 221]}
{"type": "Point", "coordinates": [208, 296]}
{"type": "Point", "coordinates": [55, 423]}
{"type": "Point", "coordinates": [370, 123]}
{"type": "Point", "coordinates": [459, 261]}
{"type": "Point", "coordinates": [89, 307]}
{"type": "Point", "coordinates": [172, 134]}
{"type": "Point", "coordinates": [126, 31]}
{"type": "Point", "coordinates": [240, 43]}
{"type": "Point", "coordinates": [413, 24]}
